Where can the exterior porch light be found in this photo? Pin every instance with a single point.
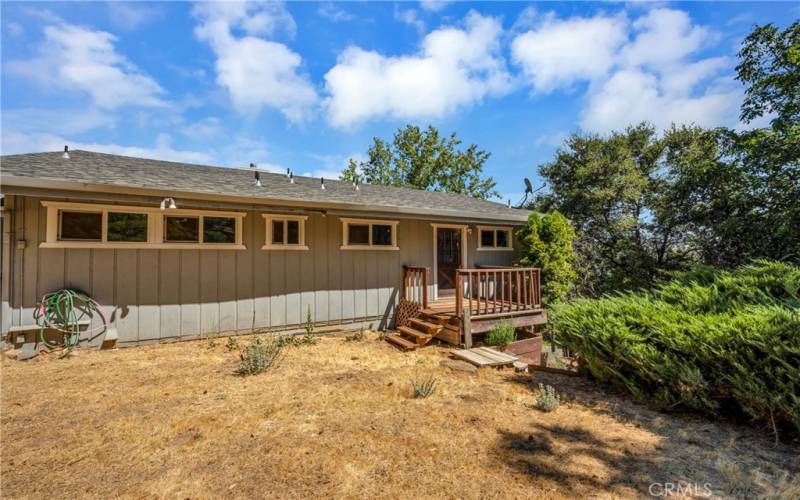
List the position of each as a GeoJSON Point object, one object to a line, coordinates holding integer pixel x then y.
{"type": "Point", "coordinates": [168, 202]}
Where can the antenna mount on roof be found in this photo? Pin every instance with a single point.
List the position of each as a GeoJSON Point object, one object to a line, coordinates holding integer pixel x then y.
{"type": "Point", "coordinates": [322, 183]}
{"type": "Point", "coordinates": [258, 178]}
{"type": "Point", "coordinates": [66, 153]}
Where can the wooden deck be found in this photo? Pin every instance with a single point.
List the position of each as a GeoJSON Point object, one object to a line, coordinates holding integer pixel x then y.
{"type": "Point", "coordinates": [483, 298]}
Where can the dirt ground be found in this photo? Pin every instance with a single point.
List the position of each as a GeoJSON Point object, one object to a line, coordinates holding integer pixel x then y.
{"type": "Point", "coordinates": [337, 419]}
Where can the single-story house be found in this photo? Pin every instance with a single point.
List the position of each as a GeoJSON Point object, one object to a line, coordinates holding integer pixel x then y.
{"type": "Point", "coordinates": [178, 251]}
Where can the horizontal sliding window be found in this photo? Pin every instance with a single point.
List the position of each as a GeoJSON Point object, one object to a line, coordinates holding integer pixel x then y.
{"type": "Point", "coordinates": [369, 234]}
{"type": "Point", "coordinates": [285, 232]}
{"type": "Point", "coordinates": [219, 230]}
{"type": "Point", "coordinates": [127, 227]}
{"type": "Point", "coordinates": [182, 229]}
{"type": "Point", "coordinates": [90, 225]}
{"type": "Point", "coordinates": [80, 226]}
{"type": "Point", "coordinates": [494, 238]}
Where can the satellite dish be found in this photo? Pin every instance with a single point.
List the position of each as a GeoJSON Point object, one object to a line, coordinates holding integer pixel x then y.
{"type": "Point", "coordinates": [528, 186]}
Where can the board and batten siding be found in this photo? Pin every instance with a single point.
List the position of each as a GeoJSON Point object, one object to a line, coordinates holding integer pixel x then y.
{"type": "Point", "coordinates": [152, 295]}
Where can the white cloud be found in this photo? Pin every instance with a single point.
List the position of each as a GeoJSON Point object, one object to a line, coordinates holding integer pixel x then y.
{"type": "Point", "coordinates": [130, 16]}
{"type": "Point", "coordinates": [455, 67]}
{"type": "Point", "coordinates": [18, 142]}
{"type": "Point", "coordinates": [645, 70]}
{"type": "Point", "coordinates": [331, 12]}
{"type": "Point", "coordinates": [256, 72]}
{"type": "Point", "coordinates": [632, 95]}
{"type": "Point", "coordinates": [79, 59]}
{"type": "Point", "coordinates": [409, 17]}
{"type": "Point", "coordinates": [433, 5]}
{"type": "Point", "coordinates": [561, 52]}
{"type": "Point", "coordinates": [663, 36]}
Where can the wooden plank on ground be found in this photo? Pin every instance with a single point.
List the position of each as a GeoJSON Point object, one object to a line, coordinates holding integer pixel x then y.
{"type": "Point", "coordinates": [472, 357]}
{"type": "Point", "coordinates": [498, 356]}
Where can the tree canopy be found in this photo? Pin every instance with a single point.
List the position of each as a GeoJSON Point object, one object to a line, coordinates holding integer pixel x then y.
{"type": "Point", "coordinates": [645, 203]}
{"type": "Point", "coordinates": [424, 159]}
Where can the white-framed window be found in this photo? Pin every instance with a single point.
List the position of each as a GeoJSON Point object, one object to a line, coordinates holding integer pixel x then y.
{"type": "Point", "coordinates": [90, 225]}
{"type": "Point", "coordinates": [494, 238]}
{"type": "Point", "coordinates": [285, 232]}
{"type": "Point", "coordinates": [369, 234]}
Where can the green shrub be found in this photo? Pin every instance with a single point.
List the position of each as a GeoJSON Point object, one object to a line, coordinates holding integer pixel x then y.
{"type": "Point", "coordinates": [357, 336]}
{"type": "Point", "coordinates": [548, 399]}
{"type": "Point", "coordinates": [424, 388]}
{"type": "Point", "coordinates": [232, 343]}
{"type": "Point", "coordinates": [720, 342]}
{"type": "Point", "coordinates": [501, 334]}
{"type": "Point", "coordinates": [259, 355]}
{"type": "Point", "coordinates": [547, 243]}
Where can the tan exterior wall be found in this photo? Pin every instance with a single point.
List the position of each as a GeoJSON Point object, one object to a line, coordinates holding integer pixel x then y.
{"type": "Point", "coordinates": [160, 294]}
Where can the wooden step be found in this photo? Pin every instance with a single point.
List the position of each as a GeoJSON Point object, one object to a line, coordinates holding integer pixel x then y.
{"type": "Point", "coordinates": [419, 337]}
{"type": "Point", "coordinates": [400, 342]}
{"type": "Point", "coordinates": [434, 317]}
{"type": "Point", "coordinates": [425, 326]}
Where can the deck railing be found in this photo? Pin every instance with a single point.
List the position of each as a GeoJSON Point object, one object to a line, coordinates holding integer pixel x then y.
{"type": "Point", "coordinates": [415, 284]}
{"type": "Point", "coordinates": [500, 291]}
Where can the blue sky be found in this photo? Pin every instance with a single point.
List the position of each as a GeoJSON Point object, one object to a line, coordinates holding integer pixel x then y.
{"type": "Point", "coordinates": [307, 85]}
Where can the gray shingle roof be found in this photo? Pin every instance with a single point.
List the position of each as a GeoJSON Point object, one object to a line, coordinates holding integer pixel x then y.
{"type": "Point", "coordinates": [104, 170]}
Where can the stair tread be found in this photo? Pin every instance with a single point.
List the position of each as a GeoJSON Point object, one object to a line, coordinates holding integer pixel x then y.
{"type": "Point", "coordinates": [431, 328]}
{"type": "Point", "coordinates": [400, 341]}
{"type": "Point", "coordinates": [411, 332]}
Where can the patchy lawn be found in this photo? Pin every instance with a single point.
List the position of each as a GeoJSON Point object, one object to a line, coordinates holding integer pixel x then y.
{"type": "Point", "coordinates": [337, 419]}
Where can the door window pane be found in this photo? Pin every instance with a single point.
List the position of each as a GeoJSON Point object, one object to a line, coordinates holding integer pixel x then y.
{"type": "Point", "coordinates": [182, 229]}
{"type": "Point", "coordinates": [502, 239]}
{"type": "Point", "coordinates": [292, 232]}
{"type": "Point", "coordinates": [219, 230]}
{"type": "Point", "coordinates": [127, 227]}
{"type": "Point", "coordinates": [84, 226]}
{"type": "Point", "coordinates": [487, 238]}
{"type": "Point", "coordinates": [358, 234]}
{"type": "Point", "coordinates": [381, 234]}
{"type": "Point", "coordinates": [277, 232]}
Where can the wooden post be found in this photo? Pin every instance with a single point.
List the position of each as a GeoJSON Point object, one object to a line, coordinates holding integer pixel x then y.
{"type": "Point", "coordinates": [425, 288]}
{"type": "Point", "coordinates": [466, 325]}
{"type": "Point", "coordinates": [459, 292]}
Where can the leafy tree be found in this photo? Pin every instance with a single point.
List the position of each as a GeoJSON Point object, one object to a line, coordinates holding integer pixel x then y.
{"type": "Point", "coordinates": [546, 243]}
{"type": "Point", "coordinates": [769, 64]}
{"type": "Point", "coordinates": [614, 191]}
{"type": "Point", "coordinates": [424, 159]}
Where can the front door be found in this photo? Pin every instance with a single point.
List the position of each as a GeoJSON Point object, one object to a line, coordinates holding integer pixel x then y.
{"type": "Point", "coordinates": [448, 258]}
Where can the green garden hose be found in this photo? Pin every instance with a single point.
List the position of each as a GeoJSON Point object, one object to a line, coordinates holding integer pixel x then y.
{"type": "Point", "coordinates": [63, 311]}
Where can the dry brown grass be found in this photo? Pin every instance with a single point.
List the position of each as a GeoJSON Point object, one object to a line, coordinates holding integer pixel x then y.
{"type": "Point", "coordinates": [337, 419]}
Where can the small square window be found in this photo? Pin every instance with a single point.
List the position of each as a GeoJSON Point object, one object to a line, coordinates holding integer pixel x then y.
{"type": "Point", "coordinates": [127, 227]}
{"type": "Point", "coordinates": [292, 232]}
{"type": "Point", "coordinates": [502, 238]}
{"type": "Point", "coordinates": [182, 229]}
{"type": "Point", "coordinates": [381, 234]}
{"type": "Point", "coordinates": [219, 230]}
{"type": "Point", "coordinates": [487, 238]}
{"type": "Point", "coordinates": [81, 226]}
{"type": "Point", "coordinates": [358, 234]}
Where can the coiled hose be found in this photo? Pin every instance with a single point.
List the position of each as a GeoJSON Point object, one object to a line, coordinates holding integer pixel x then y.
{"type": "Point", "coordinates": [63, 311]}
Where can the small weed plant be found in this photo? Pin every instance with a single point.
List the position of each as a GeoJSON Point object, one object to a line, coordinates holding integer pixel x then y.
{"type": "Point", "coordinates": [357, 336]}
{"type": "Point", "coordinates": [232, 343]}
{"type": "Point", "coordinates": [309, 337]}
{"type": "Point", "coordinates": [259, 355]}
{"type": "Point", "coordinates": [502, 334]}
{"type": "Point", "coordinates": [424, 388]}
{"type": "Point", "coordinates": [548, 398]}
